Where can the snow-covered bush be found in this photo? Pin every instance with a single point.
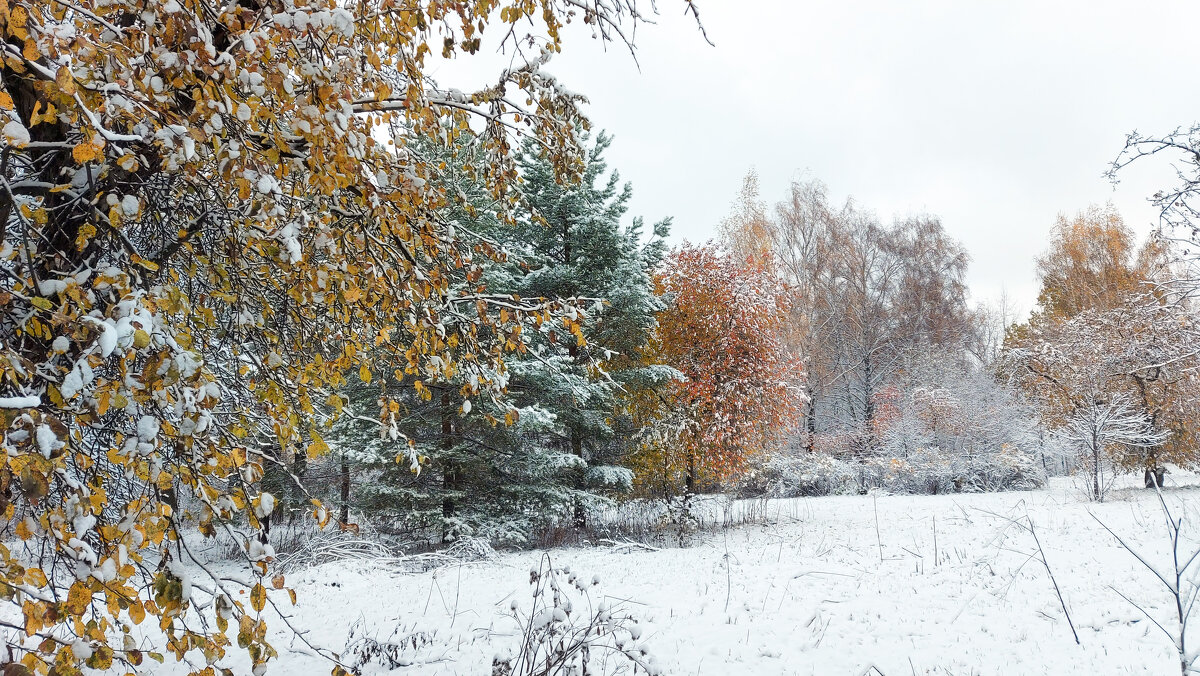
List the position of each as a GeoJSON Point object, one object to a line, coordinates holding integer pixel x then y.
{"type": "Point", "coordinates": [945, 426]}
{"type": "Point", "coordinates": [570, 628]}
{"type": "Point", "coordinates": [953, 427]}
{"type": "Point", "coordinates": [798, 474]}
{"type": "Point", "coordinates": [932, 470]}
{"type": "Point", "coordinates": [925, 470]}
{"type": "Point", "coordinates": [680, 518]}
{"type": "Point", "coordinates": [1010, 469]}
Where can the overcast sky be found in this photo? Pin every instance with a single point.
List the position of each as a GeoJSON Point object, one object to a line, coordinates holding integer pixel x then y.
{"type": "Point", "coordinates": [995, 116]}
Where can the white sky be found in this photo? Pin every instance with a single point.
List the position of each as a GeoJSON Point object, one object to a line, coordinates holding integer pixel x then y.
{"type": "Point", "coordinates": [994, 116]}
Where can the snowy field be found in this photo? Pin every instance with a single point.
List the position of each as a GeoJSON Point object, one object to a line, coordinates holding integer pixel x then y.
{"type": "Point", "coordinates": [824, 587]}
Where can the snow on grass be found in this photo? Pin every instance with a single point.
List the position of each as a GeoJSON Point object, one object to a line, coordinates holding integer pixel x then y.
{"type": "Point", "coordinates": [822, 588]}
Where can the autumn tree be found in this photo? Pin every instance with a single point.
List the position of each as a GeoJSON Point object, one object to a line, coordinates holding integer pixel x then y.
{"type": "Point", "coordinates": [740, 387]}
{"type": "Point", "coordinates": [1108, 332]}
{"type": "Point", "coordinates": [1092, 264]}
{"type": "Point", "coordinates": [747, 230]}
{"type": "Point", "coordinates": [1179, 218]}
{"type": "Point", "coordinates": [1123, 376]}
{"type": "Point", "coordinates": [931, 294]}
{"type": "Point", "coordinates": [802, 248]}
{"type": "Point", "coordinates": [212, 217]}
{"type": "Point", "coordinates": [863, 296]}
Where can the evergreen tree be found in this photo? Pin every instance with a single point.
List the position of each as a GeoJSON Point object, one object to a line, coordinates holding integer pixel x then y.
{"type": "Point", "coordinates": [572, 245]}
{"type": "Point", "coordinates": [509, 467]}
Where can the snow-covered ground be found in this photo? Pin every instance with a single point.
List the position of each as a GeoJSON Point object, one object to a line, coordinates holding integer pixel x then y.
{"type": "Point", "coordinates": [833, 585]}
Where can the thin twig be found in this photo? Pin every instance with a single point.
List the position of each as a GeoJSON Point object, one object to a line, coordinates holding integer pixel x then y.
{"type": "Point", "coordinates": [878, 538]}
{"type": "Point", "coordinates": [1057, 591]}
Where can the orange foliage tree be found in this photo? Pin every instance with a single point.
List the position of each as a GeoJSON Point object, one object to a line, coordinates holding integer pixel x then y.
{"type": "Point", "coordinates": [740, 388]}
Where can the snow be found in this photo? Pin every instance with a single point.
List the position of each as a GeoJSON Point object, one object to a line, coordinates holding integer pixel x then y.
{"type": "Point", "coordinates": [107, 339]}
{"type": "Point", "coordinates": [81, 649]}
{"type": "Point", "coordinates": [147, 428]}
{"type": "Point", "coordinates": [21, 402]}
{"type": "Point", "coordinates": [821, 588]}
{"type": "Point", "coordinates": [15, 134]}
{"type": "Point", "coordinates": [47, 440]}
{"type": "Point", "coordinates": [130, 206]}
{"type": "Point", "coordinates": [266, 505]}
{"type": "Point", "coordinates": [78, 378]}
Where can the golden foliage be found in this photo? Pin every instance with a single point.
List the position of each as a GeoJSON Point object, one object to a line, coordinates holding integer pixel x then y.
{"type": "Point", "coordinates": [1106, 328]}
{"type": "Point", "coordinates": [212, 213]}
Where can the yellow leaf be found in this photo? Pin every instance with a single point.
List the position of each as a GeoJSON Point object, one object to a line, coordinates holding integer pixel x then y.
{"type": "Point", "coordinates": [101, 659]}
{"type": "Point", "coordinates": [145, 263]}
{"type": "Point", "coordinates": [35, 576]}
{"type": "Point", "coordinates": [78, 598]}
{"type": "Point", "coordinates": [128, 162]}
{"type": "Point", "coordinates": [6, 102]}
{"type": "Point", "coordinates": [258, 597]}
{"type": "Point", "coordinates": [136, 612]}
{"type": "Point", "coordinates": [335, 402]}
{"type": "Point", "coordinates": [84, 152]}
{"type": "Point", "coordinates": [34, 484]}
{"type": "Point", "coordinates": [318, 447]}
{"type": "Point", "coordinates": [86, 232]}
{"type": "Point", "coordinates": [65, 81]}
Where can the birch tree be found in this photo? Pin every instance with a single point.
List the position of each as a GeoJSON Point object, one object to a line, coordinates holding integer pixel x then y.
{"type": "Point", "coordinates": [212, 215]}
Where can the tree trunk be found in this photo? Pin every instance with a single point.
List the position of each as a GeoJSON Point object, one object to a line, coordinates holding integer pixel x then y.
{"type": "Point", "coordinates": [580, 512]}
{"type": "Point", "coordinates": [1154, 472]}
{"type": "Point", "coordinates": [579, 516]}
{"type": "Point", "coordinates": [1154, 477]}
{"type": "Point", "coordinates": [869, 408]}
{"type": "Point", "coordinates": [811, 422]}
{"type": "Point", "coordinates": [690, 479]}
{"type": "Point", "coordinates": [451, 472]}
{"type": "Point", "coordinates": [344, 515]}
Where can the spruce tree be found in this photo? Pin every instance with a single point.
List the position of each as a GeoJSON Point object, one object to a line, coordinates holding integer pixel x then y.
{"type": "Point", "coordinates": [508, 468]}
{"type": "Point", "coordinates": [571, 244]}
